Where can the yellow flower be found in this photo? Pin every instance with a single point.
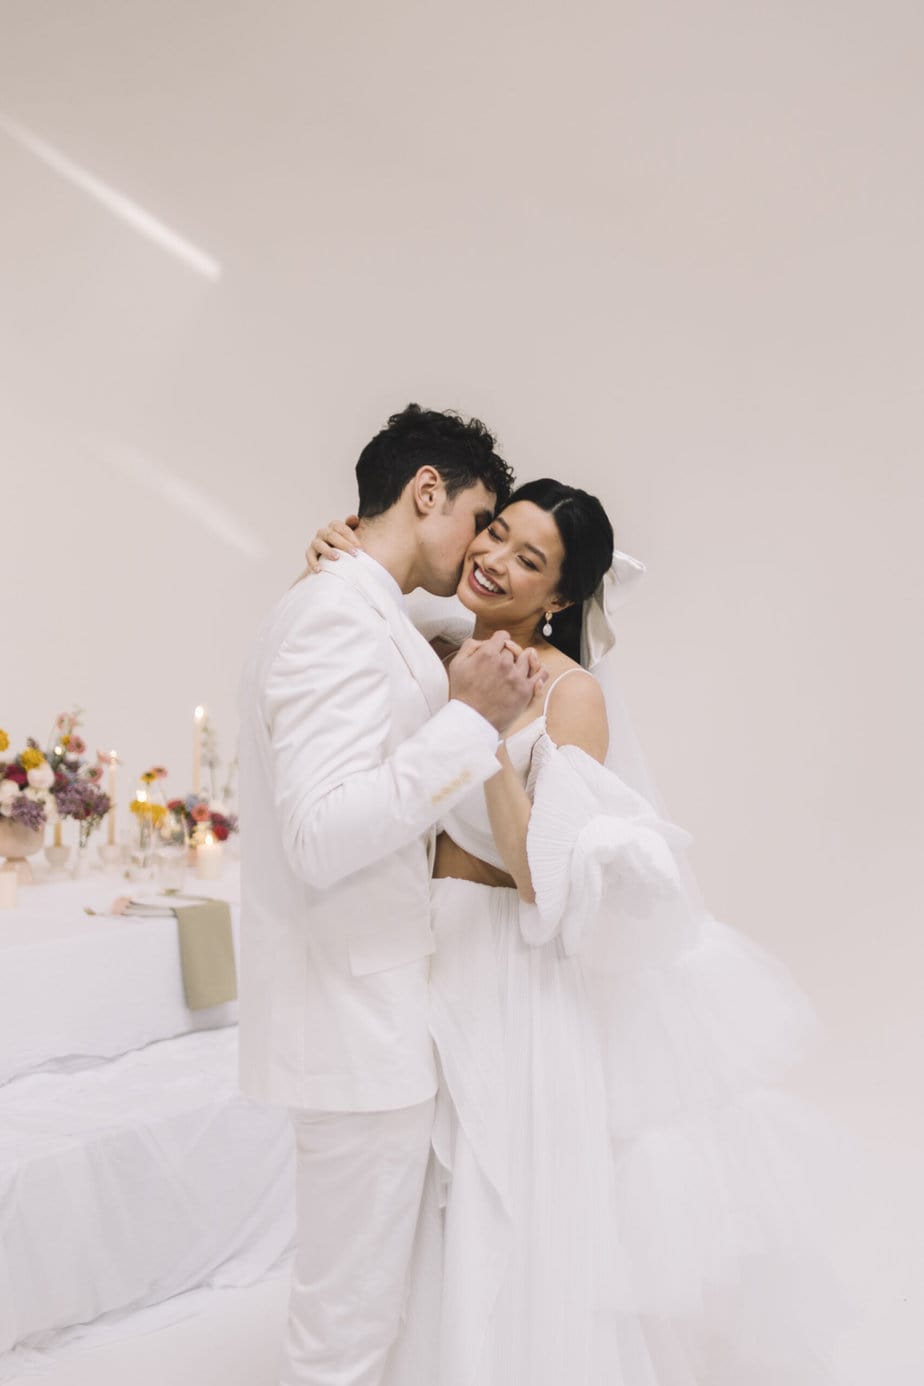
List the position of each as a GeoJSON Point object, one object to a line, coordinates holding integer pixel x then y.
{"type": "Point", "coordinates": [149, 777]}
{"type": "Point", "coordinates": [4, 740]}
{"type": "Point", "coordinates": [158, 812]}
{"type": "Point", "coordinates": [139, 806]}
{"type": "Point", "coordinates": [31, 758]}
{"type": "Point", "coordinates": [65, 741]}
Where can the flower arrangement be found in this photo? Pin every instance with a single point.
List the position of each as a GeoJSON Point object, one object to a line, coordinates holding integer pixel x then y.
{"type": "Point", "coordinates": [26, 786]}
{"type": "Point", "coordinates": [217, 798]}
{"type": "Point", "coordinates": [145, 807]}
{"type": "Point", "coordinates": [46, 787]}
{"type": "Point", "coordinates": [84, 801]}
{"type": "Point", "coordinates": [76, 784]}
{"type": "Point", "coordinates": [200, 815]}
{"type": "Point", "coordinates": [207, 814]}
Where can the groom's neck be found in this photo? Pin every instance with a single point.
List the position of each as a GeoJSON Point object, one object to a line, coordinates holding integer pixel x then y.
{"type": "Point", "coordinates": [388, 540]}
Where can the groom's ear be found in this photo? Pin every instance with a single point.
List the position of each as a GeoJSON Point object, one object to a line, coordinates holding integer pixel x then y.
{"type": "Point", "coordinates": [427, 490]}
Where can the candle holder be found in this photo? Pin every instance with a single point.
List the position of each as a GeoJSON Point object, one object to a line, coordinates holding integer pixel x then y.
{"type": "Point", "coordinates": [57, 856]}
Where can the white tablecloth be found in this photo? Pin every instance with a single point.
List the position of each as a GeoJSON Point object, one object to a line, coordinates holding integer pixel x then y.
{"type": "Point", "coordinates": [77, 988]}
{"type": "Point", "coordinates": [134, 1181]}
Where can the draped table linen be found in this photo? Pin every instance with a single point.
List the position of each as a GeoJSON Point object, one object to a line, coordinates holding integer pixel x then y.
{"type": "Point", "coordinates": [77, 989]}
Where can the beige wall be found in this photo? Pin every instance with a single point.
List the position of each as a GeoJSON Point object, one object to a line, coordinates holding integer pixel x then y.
{"type": "Point", "coordinates": [670, 252]}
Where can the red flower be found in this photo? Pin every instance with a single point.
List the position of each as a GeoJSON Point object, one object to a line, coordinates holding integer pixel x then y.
{"type": "Point", "coordinates": [176, 806]}
{"type": "Point", "coordinates": [220, 830]}
{"type": "Point", "coordinates": [17, 774]}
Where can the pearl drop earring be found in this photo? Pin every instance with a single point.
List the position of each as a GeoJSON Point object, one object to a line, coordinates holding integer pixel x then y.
{"type": "Point", "coordinates": [547, 628]}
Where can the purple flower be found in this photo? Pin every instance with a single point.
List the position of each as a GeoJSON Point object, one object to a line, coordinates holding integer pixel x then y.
{"type": "Point", "coordinates": [29, 812]}
{"type": "Point", "coordinates": [80, 799]}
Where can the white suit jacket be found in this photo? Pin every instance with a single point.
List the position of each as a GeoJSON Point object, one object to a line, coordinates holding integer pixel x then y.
{"type": "Point", "coordinates": [350, 751]}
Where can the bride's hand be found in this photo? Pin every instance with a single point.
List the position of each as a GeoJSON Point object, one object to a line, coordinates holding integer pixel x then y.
{"type": "Point", "coordinates": [332, 540]}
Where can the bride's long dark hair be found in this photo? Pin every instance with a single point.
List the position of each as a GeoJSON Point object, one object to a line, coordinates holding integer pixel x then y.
{"type": "Point", "coordinates": [587, 538]}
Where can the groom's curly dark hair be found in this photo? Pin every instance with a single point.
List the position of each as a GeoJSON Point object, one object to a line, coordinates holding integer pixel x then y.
{"type": "Point", "coordinates": [463, 454]}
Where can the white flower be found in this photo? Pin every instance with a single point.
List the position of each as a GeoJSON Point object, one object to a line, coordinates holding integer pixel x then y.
{"type": "Point", "coordinates": [42, 777]}
{"type": "Point", "coordinates": [38, 795]}
{"type": "Point", "coordinates": [8, 791]}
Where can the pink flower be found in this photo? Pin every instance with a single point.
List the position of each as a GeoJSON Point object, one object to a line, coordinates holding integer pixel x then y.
{"type": "Point", "coordinates": [200, 813]}
{"type": "Point", "coordinates": [77, 746]}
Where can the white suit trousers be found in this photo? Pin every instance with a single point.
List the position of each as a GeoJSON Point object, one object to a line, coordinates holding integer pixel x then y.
{"type": "Point", "coordinates": [359, 1184]}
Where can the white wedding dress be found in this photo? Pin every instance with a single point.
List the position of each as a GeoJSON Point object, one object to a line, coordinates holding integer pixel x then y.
{"type": "Point", "coordinates": [617, 1194]}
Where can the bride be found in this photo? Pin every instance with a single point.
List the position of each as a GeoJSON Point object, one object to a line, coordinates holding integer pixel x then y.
{"type": "Point", "coordinates": [616, 1197]}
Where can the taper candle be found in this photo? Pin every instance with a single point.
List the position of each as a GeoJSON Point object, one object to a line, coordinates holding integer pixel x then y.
{"type": "Point", "coordinates": [111, 826]}
{"type": "Point", "coordinates": [197, 749]}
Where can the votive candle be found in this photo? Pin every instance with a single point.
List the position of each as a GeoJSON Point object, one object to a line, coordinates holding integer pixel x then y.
{"type": "Point", "coordinates": [208, 860]}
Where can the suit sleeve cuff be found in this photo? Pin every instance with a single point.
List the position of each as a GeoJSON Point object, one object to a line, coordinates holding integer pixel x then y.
{"type": "Point", "coordinates": [475, 724]}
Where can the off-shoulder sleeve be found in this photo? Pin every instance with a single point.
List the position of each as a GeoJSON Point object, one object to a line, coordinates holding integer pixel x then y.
{"type": "Point", "coordinates": [592, 840]}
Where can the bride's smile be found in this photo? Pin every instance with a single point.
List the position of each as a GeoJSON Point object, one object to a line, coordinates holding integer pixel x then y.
{"type": "Point", "coordinates": [480, 582]}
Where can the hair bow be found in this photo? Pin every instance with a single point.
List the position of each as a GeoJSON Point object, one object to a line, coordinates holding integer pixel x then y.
{"type": "Point", "coordinates": [598, 627]}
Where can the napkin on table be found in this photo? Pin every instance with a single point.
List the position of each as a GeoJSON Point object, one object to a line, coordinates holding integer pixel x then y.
{"type": "Point", "coordinates": [206, 945]}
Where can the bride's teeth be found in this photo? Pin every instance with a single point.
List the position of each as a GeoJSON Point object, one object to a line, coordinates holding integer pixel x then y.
{"type": "Point", "coordinates": [485, 582]}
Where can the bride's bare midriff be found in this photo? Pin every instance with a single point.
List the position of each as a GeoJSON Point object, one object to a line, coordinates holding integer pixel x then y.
{"type": "Point", "coordinates": [453, 860]}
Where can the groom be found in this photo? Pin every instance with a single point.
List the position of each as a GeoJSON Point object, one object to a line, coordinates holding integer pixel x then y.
{"type": "Point", "coordinates": [351, 750]}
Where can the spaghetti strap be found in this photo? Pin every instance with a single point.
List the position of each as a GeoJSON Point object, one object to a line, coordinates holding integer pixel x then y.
{"type": "Point", "coordinates": [577, 669]}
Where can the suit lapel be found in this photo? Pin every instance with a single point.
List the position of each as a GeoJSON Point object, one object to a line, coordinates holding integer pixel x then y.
{"type": "Point", "coordinates": [425, 667]}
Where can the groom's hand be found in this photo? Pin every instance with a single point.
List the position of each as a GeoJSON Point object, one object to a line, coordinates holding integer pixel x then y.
{"type": "Point", "coordinates": [496, 678]}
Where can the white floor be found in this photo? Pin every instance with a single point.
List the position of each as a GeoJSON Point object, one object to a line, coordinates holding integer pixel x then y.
{"type": "Point", "coordinates": [233, 1340]}
{"type": "Point", "coordinates": [232, 1337]}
